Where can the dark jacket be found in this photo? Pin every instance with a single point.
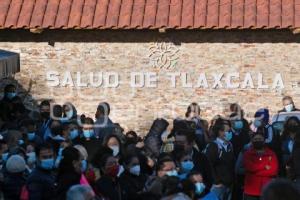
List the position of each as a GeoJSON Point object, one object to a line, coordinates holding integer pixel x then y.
{"type": "Point", "coordinates": [222, 163]}
{"type": "Point", "coordinates": [109, 189]}
{"type": "Point", "coordinates": [295, 163]}
{"type": "Point", "coordinates": [202, 165]}
{"type": "Point", "coordinates": [13, 184]}
{"type": "Point", "coordinates": [91, 146]}
{"type": "Point", "coordinates": [41, 185]}
{"type": "Point", "coordinates": [103, 127]}
{"type": "Point", "coordinates": [133, 185]}
{"type": "Point", "coordinates": [64, 182]}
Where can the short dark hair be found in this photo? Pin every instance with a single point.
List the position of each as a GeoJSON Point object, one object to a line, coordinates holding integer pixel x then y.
{"type": "Point", "coordinates": [43, 146]}
{"type": "Point", "coordinates": [220, 125]}
{"type": "Point", "coordinates": [9, 86]}
{"type": "Point", "coordinates": [45, 103]}
{"type": "Point", "coordinates": [162, 161]}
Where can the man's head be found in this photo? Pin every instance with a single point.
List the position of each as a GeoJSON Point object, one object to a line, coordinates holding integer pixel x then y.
{"type": "Point", "coordinates": [10, 91]}
{"type": "Point", "coordinates": [258, 141]}
{"type": "Point", "coordinates": [103, 109]}
{"type": "Point", "coordinates": [166, 166]}
{"type": "Point", "coordinates": [184, 140]}
{"type": "Point", "coordinates": [288, 103]}
{"type": "Point", "coordinates": [45, 109]}
{"type": "Point", "coordinates": [45, 156]}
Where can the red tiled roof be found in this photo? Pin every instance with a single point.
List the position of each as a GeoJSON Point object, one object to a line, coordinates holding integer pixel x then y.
{"type": "Point", "coordinates": [150, 14]}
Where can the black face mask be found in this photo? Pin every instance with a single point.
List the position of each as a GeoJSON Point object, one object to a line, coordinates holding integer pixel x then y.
{"type": "Point", "coordinates": [131, 140]}
{"type": "Point", "coordinates": [258, 145]}
{"type": "Point", "coordinates": [45, 115]}
{"type": "Point", "coordinates": [178, 147]}
{"type": "Point", "coordinates": [293, 128]}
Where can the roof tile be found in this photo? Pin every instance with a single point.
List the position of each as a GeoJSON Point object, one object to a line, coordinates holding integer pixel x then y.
{"type": "Point", "coordinates": [154, 14]}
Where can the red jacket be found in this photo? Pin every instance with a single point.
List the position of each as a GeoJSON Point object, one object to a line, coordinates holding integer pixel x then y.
{"type": "Point", "coordinates": [256, 173]}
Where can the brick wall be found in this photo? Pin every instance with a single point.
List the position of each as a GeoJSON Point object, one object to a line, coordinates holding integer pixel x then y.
{"type": "Point", "coordinates": [191, 52]}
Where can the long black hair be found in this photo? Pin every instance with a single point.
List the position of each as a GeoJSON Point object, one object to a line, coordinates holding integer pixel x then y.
{"type": "Point", "coordinates": [69, 154]}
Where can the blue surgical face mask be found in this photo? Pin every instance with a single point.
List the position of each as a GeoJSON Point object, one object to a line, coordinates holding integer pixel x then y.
{"type": "Point", "coordinates": [31, 157]}
{"type": "Point", "coordinates": [238, 125]}
{"type": "Point", "coordinates": [187, 166]}
{"type": "Point", "coordinates": [257, 123]}
{"type": "Point", "coordinates": [5, 156]}
{"type": "Point", "coordinates": [31, 136]}
{"type": "Point", "coordinates": [172, 173]}
{"type": "Point", "coordinates": [116, 149]}
{"type": "Point", "coordinates": [11, 95]}
{"type": "Point", "coordinates": [290, 146]}
{"type": "Point", "coordinates": [88, 133]}
{"type": "Point", "coordinates": [74, 134]}
{"type": "Point", "coordinates": [47, 164]}
{"type": "Point", "coordinates": [69, 114]}
{"type": "Point", "coordinates": [289, 107]}
{"type": "Point", "coordinates": [135, 170]}
{"type": "Point", "coordinates": [21, 142]}
{"type": "Point", "coordinates": [64, 120]}
{"type": "Point", "coordinates": [84, 165]}
{"type": "Point", "coordinates": [228, 135]}
{"type": "Point", "coordinates": [199, 188]}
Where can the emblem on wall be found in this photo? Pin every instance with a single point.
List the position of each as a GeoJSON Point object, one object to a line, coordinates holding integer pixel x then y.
{"type": "Point", "coordinates": [163, 54]}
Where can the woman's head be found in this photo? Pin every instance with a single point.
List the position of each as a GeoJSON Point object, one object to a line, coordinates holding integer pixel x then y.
{"type": "Point", "coordinates": [132, 164]}
{"type": "Point", "coordinates": [291, 126]}
{"type": "Point", "coordinates": [114, 143]}
{"type": "Point", "coordinates": [222, 129]}
{"type": "Point", "coordinates": [193, 110]}
{"type": "Point", "coordinates": [71, 161]}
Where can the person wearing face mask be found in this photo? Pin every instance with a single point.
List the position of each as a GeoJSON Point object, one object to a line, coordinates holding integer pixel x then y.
{"type": "Point", "coordinates": [291, 127]}
{"type": "Point", "coordinates": [7, 102]}
{"type": "Point", "coordinates": [272, 139]}
{"type": "Point", "coordinates": [240, 129]}
{"type": "Point", "coordinates": [88, 139]}
{"type": "Point", "coordinates": [221, 158]}
{"type": "Point", "coordinates": [201, 129]}
{"type": "Point", "coordinates": [104, 125]}
{"type": "Point", "coordinates": [31, 138]}
{"type": "Point", "coordinates": [185, 141]}
{"type": "Point", "coordinates": [108, 184]}
{"type": "Point", "coordinates": [165, 167]}
{"type": "Point", "coordinates": [14, 178]}
{"type": "Point", "coordinates": [198, 189]}
{"type": "Point", "coordinates": [43, 125]}
{"type": "Point", "coordinates": [69, 112]}
{"type": "Point", "coordinates": [114, 143]}
{"type": "Point", "coordinates": [288, 105]}
{"type": "Point", "coordinates": [185, 163]}
{"type": "Point", "coordinates": [69, 171]}
{"type": "Point", "coordinates": [41, 182]}
{"type": "Point", "coordinates": [74, 133]}
{"type": "Point", "coordinates": [260, 164]}
{"type": "Point", "coordinates": [132, 180]}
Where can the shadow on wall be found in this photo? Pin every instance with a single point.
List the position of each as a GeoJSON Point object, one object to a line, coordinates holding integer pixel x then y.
{"type": "Point", "coordinates": [145, 36]}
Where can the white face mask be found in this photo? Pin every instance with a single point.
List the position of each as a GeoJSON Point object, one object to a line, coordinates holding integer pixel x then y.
{"type": "Point", "coordinates": [115, 149]}
{"type": "Point", "coordinates": [289, 107]}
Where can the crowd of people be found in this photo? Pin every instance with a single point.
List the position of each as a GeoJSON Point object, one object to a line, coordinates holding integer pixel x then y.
{"type": "Point", "coordinates": [58, 154]}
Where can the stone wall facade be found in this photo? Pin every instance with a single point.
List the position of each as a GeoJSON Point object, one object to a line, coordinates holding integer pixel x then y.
{"type": "Point", "coordinates": [190, 53]}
